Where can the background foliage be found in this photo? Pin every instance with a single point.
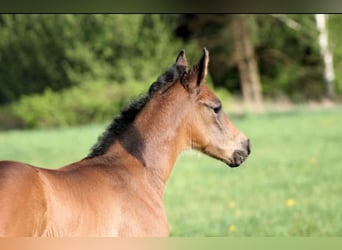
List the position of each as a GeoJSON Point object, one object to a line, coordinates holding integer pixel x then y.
{"type": "Point", "coordinates": [83, 68]}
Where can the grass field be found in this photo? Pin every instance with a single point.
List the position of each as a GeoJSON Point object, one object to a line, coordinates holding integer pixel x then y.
{"type": "Point", "coordinates": [291, 185]}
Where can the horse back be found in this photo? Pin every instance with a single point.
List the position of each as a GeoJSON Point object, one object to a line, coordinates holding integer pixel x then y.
{"type": "Point", "coordinates": [22, 201]}
{"type": "Point", "coordinates": [81, 199]}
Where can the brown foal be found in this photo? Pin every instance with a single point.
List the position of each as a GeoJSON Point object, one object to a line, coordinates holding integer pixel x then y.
{"type": "Point", "coordinates": [117, 190]}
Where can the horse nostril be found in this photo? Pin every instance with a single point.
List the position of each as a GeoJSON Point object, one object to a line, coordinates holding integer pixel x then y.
{"type": "Point", "coordinates": [248, 146]}
{"type": "Point", "coordinates": [238, 157]}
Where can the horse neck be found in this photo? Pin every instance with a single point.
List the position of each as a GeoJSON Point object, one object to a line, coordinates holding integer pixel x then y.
{"type": "Point", "coordinates": [157, 136]}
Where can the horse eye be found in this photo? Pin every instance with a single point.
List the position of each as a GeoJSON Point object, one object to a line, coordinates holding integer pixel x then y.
{"type": "Point", "coordinates": [217, 109]}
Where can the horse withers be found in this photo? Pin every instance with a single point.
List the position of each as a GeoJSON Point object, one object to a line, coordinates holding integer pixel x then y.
{"type": "Point", "coordinates": [117, 190]}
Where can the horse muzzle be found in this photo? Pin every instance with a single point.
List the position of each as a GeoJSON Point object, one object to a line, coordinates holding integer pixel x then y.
{"type": "Point", "coordinates": [239, 156]}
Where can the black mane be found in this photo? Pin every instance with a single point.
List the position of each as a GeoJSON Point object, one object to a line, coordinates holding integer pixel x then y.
{"type": "Point", "coordinates": [121, 122]}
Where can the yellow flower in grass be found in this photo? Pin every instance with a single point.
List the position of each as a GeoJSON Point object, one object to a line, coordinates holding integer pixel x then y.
{"type": "Point", "coordinates": [231, 204]}
{"type": "Point", "coordinates": [238, 213]}
{"type": "Point", "coordinates": [312, 161]}
{"type": "Point", "coordinates": [232, 228]}
{"type": "Point", "coordinates": [290, 203]}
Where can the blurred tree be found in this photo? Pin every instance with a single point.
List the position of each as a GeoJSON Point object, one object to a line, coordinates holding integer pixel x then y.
{"type": "Point", "coordinates": [289, 56]}
{"type": "Point", "coordinates": [288, 59]}
{"type": "Point", "coordinates": [40, 52]}
{"type": "Point", "coordinates": [335, 41]}
{"type": "Point", "coordinates": [329, 74]}
{"type": "Point", "coordinates": [247, 63]}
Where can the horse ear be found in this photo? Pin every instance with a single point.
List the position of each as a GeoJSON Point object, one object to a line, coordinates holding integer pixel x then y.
{"type": "Point", "coordinates": [199, 71]}
{"type": "Point", "coordinates": [202, 67]}
{"type": "Point", "coordinates": [181, 59]}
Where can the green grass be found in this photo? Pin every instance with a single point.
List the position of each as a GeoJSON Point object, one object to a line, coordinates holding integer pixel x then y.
{"type": "Point", "coordinates": [295, 156]}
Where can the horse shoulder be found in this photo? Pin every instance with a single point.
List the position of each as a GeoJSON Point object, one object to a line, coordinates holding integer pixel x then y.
{"type": "Point", "coordinates": [82, 200]}
{"type": "Point", "coordinates": [22, 200]}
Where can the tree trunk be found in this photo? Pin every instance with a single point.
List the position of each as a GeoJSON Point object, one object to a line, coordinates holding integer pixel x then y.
{"type": "Point", "coordinates": [329, 74]}
{"type": "Point", "coordinates": [247, 63]}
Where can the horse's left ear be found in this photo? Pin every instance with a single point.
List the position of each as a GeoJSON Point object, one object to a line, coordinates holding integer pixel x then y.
{"type": "Point", "coordinates": [198, 72]}
{"type": "Point", "coordinates": [202, 66]}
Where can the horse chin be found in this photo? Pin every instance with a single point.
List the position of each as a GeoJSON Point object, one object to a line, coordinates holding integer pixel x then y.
{"type": "Point", "coordinates": [232, 164]}
{"type": "Point", "coordinates": [229, 162]}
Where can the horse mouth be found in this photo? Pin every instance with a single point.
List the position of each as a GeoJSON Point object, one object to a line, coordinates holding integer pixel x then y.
{"type": "Point", "coordinates": [237, 158]}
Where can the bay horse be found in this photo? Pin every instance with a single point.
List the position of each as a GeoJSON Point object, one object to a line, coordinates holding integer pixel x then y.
{"type": "Point", "coordinates": [117, 190]}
